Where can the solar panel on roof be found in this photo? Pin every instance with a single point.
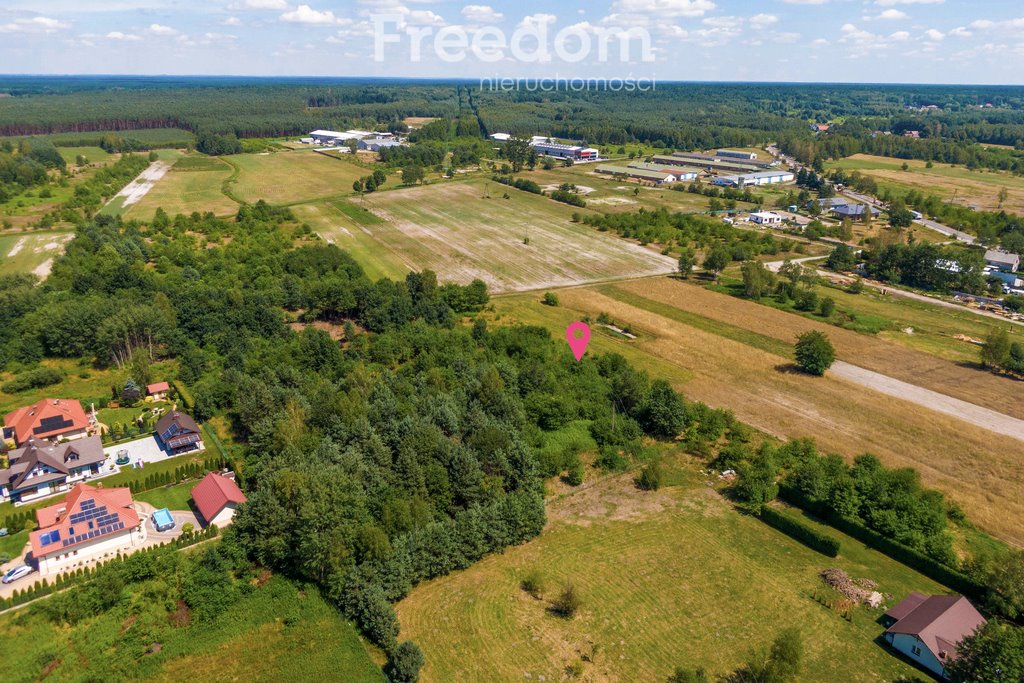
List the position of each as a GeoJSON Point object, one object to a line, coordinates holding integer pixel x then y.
{"type": "Point", "coordinates": [49, 424]}
{"type": "Point", "coordinates": [87, 503]}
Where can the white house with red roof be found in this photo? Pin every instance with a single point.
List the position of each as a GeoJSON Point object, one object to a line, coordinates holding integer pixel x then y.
{"type": "Point", "coordinates": [90, 525]}
{"type": "Point", "coordinates": [51, 418]}
{"type": "Point", "coordinates": [217, 497]}
{"type": "Point", "coordinates": [158, 391]}
{"type": "Point", "coordinates": [928, 629]}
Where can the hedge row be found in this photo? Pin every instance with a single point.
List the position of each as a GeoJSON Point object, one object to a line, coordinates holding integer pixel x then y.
{"type": "Point", "coordinates": [915, 559]}
{"type": "Point", "coordinates": [797, 529]}
{"type": "Point", "coordinates": [84, 574]}
{"type": "Point", "coordinates": [187, 402]}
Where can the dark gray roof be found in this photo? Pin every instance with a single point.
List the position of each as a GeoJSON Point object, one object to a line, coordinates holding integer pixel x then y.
{"type": "Point", "coordinates": [184, 422]}
{"type": "Point", "coordinates": [61, 457]}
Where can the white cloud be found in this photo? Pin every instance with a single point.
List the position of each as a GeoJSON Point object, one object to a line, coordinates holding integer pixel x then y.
{"type": "Point", "coordinates": [481, 14]}
{"type": "Point", "coordinates": [804, 2]}
{"type": "Point", "coordinates": [934, 34]}
{"type": "Point", "coordinates": [118, 35]}
{"type": "Point", "coordinates": [259, 4]}
{"type": "Point", "coordinates": [160, 30]}
{"type": "Point", "coordinates": [892, 14]}
{"type": "Point", "coordinates": [536, 20]}
{"type": "Point", "coordinates": [304, 14]}
{"type": "Point", "coordinates": [890, 3]}
{"type": "Point", "coordinates": [664, 9]}
{"type": "Point", "coordinates": [819, 42]}
{"type": "Point", "coordinates": [961, 32]}
{"type": "Point", "coordinates": [900, 35]}
{"type": "Point", "coordinates": [34, 25]}
{"type": "Point", "coordinates": [232, 21]}
{"type": "Point", "coordinates": [762, 20]}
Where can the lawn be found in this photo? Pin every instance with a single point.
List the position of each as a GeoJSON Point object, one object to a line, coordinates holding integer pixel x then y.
{"type": "Point", "coordinates": [13, 543]}
{"type": "Point", "coordinates": [194, 183]}
{"type": "Point", "coordinates": [276, 632]}
{"type": "Point", "coordinates": [95, 155]}
{"type": "Point", "coordinates": [32, 252]}
{"type": "Point", "coordinates": [670, 578]}
{"type": "Point", "coordinates": [171, 497]}
{"type": "Point", "coordinates": [290, 177]}
{"type": "Point", "coordinates": [731, 354]}
{"type": "Point", "coordinates": [467, 230]}
{"type": "Point", "coordinates": [975, 188]}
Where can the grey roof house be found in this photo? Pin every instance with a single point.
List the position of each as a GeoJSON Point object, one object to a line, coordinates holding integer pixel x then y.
{"type": "Point", "coordinates": [928, 629]}
{"type": "Point", "coordinates": [1002, 260]}
{"type": "Point", "coordinates": [40, 468]}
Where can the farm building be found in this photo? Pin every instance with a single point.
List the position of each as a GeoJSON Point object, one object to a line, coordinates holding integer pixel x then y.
{"type": "Point", "coordinates": [51, 418]}
{"type": "Point", "coordinates": [681, 172]}
{"type": "Point", "coordinates": [710, 162]}
{"type": "Point", "coordinates": [658, 177]}
{"type": "Point", "coordinates": [217, 497]}
{"type": "Point", "coordinates": [556, 149]}
{"type": "Point", "coordinates": [1001, 260]}
{"type": "Point", "coordinates": [89, 525]}
{"type": "Point", "coordinates": [929, 629]}
{"type": "Point", "coordinates": [501, 137]}
{"type": "Point", "coordinates": [736, 154]}
{"type": "Point", "coordinates": [829, 202]}
{"type": "Point", "coordinates": [755, 179]}
{"type": "Point", "coordinates": [375, 145]}
{"type": "Point", "coordinates": [40, 468]}
{"type": "Point", "coordinates": [765, 218]}
{"type": "Point", "coordinates": [333, 137]}
{"type": "Point", "coordinates": [854, 211]}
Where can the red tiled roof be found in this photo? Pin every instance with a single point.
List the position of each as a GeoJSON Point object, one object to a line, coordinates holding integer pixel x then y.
{"type": "Point", "coordinates": [157, 388]}
{"type": "Point", "coordinates": [62, 416]}
{"type": "Point", "coordinates": [213, 493]}
{"type": "Point", "coordinates": [57, 518]}
{"type": "Point", "coordinates": [940, 622]}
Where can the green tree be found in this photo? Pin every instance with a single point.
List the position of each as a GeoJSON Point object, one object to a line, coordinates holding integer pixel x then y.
{"type": "Point", "coordinates": [756, 480]}
{"type": "Point", "coordinates": [687, 260]}
{"type": "Point", "coordinates": [899, 216]}
{"type": "Point", "coordinates": [412, 174]}
{"type": "Point", "coordinates": [996, 350]}
{"type": "Point", "coordinates": [681, 675]}
{"type": "Point", "coordinates": [843, 258]}
{"type": "Point", "coordinates": [716, 260]}
{"type": "Point", "coordinates": [758, 281]}
{"type": "Point", "coordinates": [550, 299]}
{"type": "Point", "coordinates": [517, 151]}
{"type": "Point", "coordinates": [814, 353]}
{"type": "Point", "coordinates": [663, 413]}
{"type": "Point", "coordinates": [994, 654]}
{"type": "Point", "coordinates": [650, 477]}
{"type": "Point", "coordinates": [404, 663]}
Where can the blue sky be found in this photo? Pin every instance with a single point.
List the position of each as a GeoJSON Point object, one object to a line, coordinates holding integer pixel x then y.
{"type": "Point", "coordinates": [925, 41]}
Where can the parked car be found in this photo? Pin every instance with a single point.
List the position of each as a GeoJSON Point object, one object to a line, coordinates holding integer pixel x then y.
{"type": "Point", "coordinates": [18, 572]}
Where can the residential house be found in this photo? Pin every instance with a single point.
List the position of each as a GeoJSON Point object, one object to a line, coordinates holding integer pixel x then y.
{"type": "Point", "coordinates": [928, 629]}
{"type": "Point", "coordinates": [51, 418]}
{"type": "Point", "coordinates": [853, 211]}
{"type": "Point", "coordinates": [217, 497]}
{"type": "Point", "coordinates": [158, 391]}
{"type": "Point", "coordinates": [819, 127]}
{"type": "Point", "coordinates": [41, 468]}
{"type": "Point", "coordinates": [377, 144]}
{"type": "Point", "coordinates": [178, 433]}
{"type": "Point", "coordinates": [89, 525]}
{"type": "Point", "coordinates": [1008, 263]}
{"type": "Point", "coordinates": [765, 218]}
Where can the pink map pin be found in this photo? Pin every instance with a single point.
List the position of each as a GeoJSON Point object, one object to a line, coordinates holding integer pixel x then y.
{"type": "Point", "coordinates": [578, 344]}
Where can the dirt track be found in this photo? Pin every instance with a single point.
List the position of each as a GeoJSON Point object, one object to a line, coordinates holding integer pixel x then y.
{"type": "Point", "coordinates": [968, 412]}
{"type": "Point", "coordinates": [137, 189]}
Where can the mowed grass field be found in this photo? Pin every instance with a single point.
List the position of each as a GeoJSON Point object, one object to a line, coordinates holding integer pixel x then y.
{"type": "Point", "coordinates": [32, 252]}
{"type": "Point", "coordinates": [975, 188]}
{"type": "Point", "coordinates": [274, 633]}
{"type": "Point", "coordinates": [289, 177]}
{"type": "Point", "coordinates": [467, 230]}
{"type": "Point", "coordinates": [735, 354]}
{"type": "Point", "coordinates": [194, 183]}
{"type": "Point", "coordinates": [670, 578]}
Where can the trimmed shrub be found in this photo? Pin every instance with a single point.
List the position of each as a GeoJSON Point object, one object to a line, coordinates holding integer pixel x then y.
{"type": "Point", "coordinates": [796, 529]}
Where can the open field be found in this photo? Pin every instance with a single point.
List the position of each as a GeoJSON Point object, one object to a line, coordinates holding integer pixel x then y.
{"type": "Point", "coordinates": [251, 640]}
{"type": "Point", "coordinates": [95, 155]}
{"type": "Point", "coordinates": [31, 252]}
{"type": "Point", "coordinates": [715, 349]}
{"type": "Point", "coordinates": [192, 184]}
{"type": "Point", "coordinates": [670, 578]}
{"type": "Point", "coordinates": [288, 177]}
{"type": "Point", "coordinates": [464, 231]}
{"type": "Point", "coordinates": [974, 188]}
{"type": "Point", "coordinates": [154, 137]}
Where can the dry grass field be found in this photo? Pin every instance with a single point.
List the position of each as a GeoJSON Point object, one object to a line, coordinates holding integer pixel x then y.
{"type": "Point", "coordinates": [194, 183]}
{"type": "Point", "coordinates": [289, 177]}
{"type": "Point", "coordinates": [31, 252]}
{"type": "Point", "coordinates": [668, 578]}
{"type": "Point", "coordinates": [974, 188]}
{"type": "Point", "coordinates": [467, 230]}
{"type": "Point", "coordinates": [737, 359]}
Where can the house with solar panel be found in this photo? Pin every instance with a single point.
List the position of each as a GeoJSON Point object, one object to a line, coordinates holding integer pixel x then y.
{"type": "Point", "coordinates": [90, 525]}
{"type": "Point", "coordinates": [42, 468]}
{"type": "Point", "coordinates": [178, 433]}
{"type": "Point", "coordinates": [52, 418]}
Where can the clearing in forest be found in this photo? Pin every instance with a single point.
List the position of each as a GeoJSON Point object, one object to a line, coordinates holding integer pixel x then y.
{"type": "Point", "coordinates": [978, 188]}
{"type": "Point", "coordinates": [468, 230]}
{"type": "Point", "coordinates": [669, 578]}
{"type": "Point", "coordinates": [31, 252]}
{"type": "Point", "coordinates": [736, 355]}
{"type": "Point", "coordinates": [194, 183]}
{"type": "Point", "coordinates": [289, 177]}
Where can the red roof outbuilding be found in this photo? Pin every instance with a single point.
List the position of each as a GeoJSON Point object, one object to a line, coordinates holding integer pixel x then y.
{"type": "Point", "coordinates": [49, 418]}
{"type": "Point", "coordinates": [158, 388]}
{"type": "Point", "coordinates": [213, 493]}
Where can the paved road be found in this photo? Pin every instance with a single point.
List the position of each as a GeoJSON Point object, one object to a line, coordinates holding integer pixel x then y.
{"type": "Point", "coordinates": [775, 266]}
{"type": "Point", "coordinates": [923, 222]}
{"type": "Point", "coordinates": [968, 412]}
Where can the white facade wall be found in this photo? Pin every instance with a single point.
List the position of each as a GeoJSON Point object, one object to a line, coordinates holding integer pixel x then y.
{"type": "Point", "coordinates": [224, 517]}
{"type": "Point", "coordinates": [88, 553]}
{"type": "Point", "coordinates": [910, 646]}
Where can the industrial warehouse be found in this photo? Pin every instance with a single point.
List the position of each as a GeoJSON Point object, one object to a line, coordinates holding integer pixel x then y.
{"type": "Point", "coordinates": [656, 176]}
{"type": "Point", "coordinates": [754, 179]}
